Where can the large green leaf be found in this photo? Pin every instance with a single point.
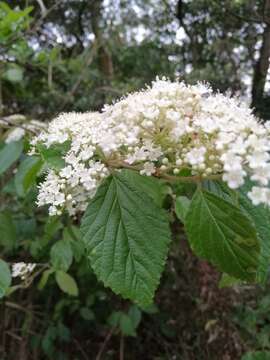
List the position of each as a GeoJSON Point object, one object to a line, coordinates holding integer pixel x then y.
{"type": "Point", "coordinates": [219, 232]}
{"type": "Point", "coordinates": [155, 188]}
{"type": "Point", "coordinates": [26, 175]}
{"type": "Point", "coordinates": [127, 237]}
{"type": "Point", "coordinates": [5, 278]}
{"type": "Point", "coordinates": [259, 215]}
{"type": "Point", "coordinates": [9, 154]}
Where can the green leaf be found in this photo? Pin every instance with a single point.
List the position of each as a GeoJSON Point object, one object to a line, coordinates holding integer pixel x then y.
{"type": "Point", "coordinates": [26, 175]}
{"type": "Point", "coordinates": [127, 237]}
{"type": "Point", "coordinates": [74, 236]}
{"type": "Point", "coordinates": [151, 309]}
{"type": "Point", "coordinates": [26, 228]}
{"type": "Point", "coordinates": [114, 318]}
{"type": "Point", "coordinates": [44, 278]}
{"type": "Point", "coordinates": [14, 74]}
{"type": "Point", "coordinates": [155, 188]}
{"type": "Point", "coordinates": [9, 154]}
{"type": "Point", "coordinates": [87, 314]}
{"type": "Point", "coordinates": [260, 215]}
{"type": "Point", "coordinates": [219, 232]}
{"type": "Point", "coordinates": [5, 278]}
{"type": "Point", "coordinates": [228, 281]}
{"type": "Point", "coordinates": [8, 235]}
{"type": "Point", "coordinates": [182, 204]}
{"type": "Point", "coordinates": [54, 155]}
{"type": "Point", "coordinates": [66, 283]}
{"type": "Point", "coordinates": [256, 355]}
{"type": "Point", "coordinates": [126, 325]}
{"type": "Point", "coordinates": [222, 190]}
{"type": "Point", "coordinates": [61, 255]}
{"type": "Point", "coordinates": [135, 315]}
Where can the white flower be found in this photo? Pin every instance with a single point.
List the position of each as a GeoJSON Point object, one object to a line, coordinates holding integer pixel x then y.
{"type": "Point", "coordinates": [22, 269]}
{"type": "Point", "coordinates": [66, 172]}
{"type": "Point", "coordinates": [196, 156]}
{"type": "Point", "coordinates": [231, 162]}
{"type": "Point", "coordinates": [262, 174]}
{"type": "Point", "coordinates": [258, 159]}
{"type": "Point", "coordinates": [258, 195]}
{"type": "Point", "coordinates": [238, 146]}
{"type": "Point", "coordinates": [148, 169]}
{"type": "Point", "coordinates": [234, 178]}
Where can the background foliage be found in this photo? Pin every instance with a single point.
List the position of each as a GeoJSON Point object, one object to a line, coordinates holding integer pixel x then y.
{"type": "Point", "coordinates": [77, 55]}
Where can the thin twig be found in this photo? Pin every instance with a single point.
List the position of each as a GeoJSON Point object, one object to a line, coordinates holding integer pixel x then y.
{"type": "Point", "coordinates": [107, 339]}
{"type": "Point", "coordinates": [171, 178]}
{"type": "Point", "coordinates": [18, 307]}
{"type": "Point", "coordinates": [85, 356]}
{"type": "Point", "coordinates": [16, 337]}
{"type": "Point", "coordinates": [10, 123]}
{"type": "Point", "coordinates": [122, 347]}
{"type": "Point", "coordinates": [188, 179]}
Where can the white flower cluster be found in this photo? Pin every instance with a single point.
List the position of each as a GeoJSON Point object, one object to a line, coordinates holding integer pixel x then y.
{"type": "Point", "coordinates": [159, 131]}
{"type": "Point", "coordinates": [22, 269]}
{"type": "Point", "coordinates": [74, 184]}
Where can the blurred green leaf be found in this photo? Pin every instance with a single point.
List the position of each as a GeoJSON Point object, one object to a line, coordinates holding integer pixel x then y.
{"type": "Point", "coordinates": [74, 236]}
{"type": "Point", "coordinates": [228, 281]}
{"type": "Point", "coordinates": [256, 355]}
{"type": "Point", "coordinates": [87, 314]}
{"type": "Point", "coordinates": [126, 325]}
{"type": "Point", "coordinates": [8, 235]}
{"type": "Point", "coordinates": [26, 175]}
{"type": "Point", "coordinates": [66, 283]}
{"type": "Point", "coordinates": [5, 278]}
{"type": "Point", "coordinates": [135, 315]}
{"type": "Point", "coordinates": [13, 74]}
{"type": "Point", "coordinates": [9, 154]}
{"type": "Point", "coordinates": [61, 255]}
{"type": "Point", "coordinates": [44, 278]}
{"type": "Point", "coordinates": [114, 318]}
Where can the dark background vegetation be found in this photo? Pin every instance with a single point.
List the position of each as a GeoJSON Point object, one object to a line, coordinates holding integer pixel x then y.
{"type": "Point", "coordinates": [76, 55]}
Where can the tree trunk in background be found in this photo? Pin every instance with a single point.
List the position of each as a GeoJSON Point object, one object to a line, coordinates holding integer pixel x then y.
{"type": "Point", "coordinates": [180, 15]}
{"type": "Point", "coordinates": [105, 62]}
{"type": "Point", "coordinates": [262, 65]}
